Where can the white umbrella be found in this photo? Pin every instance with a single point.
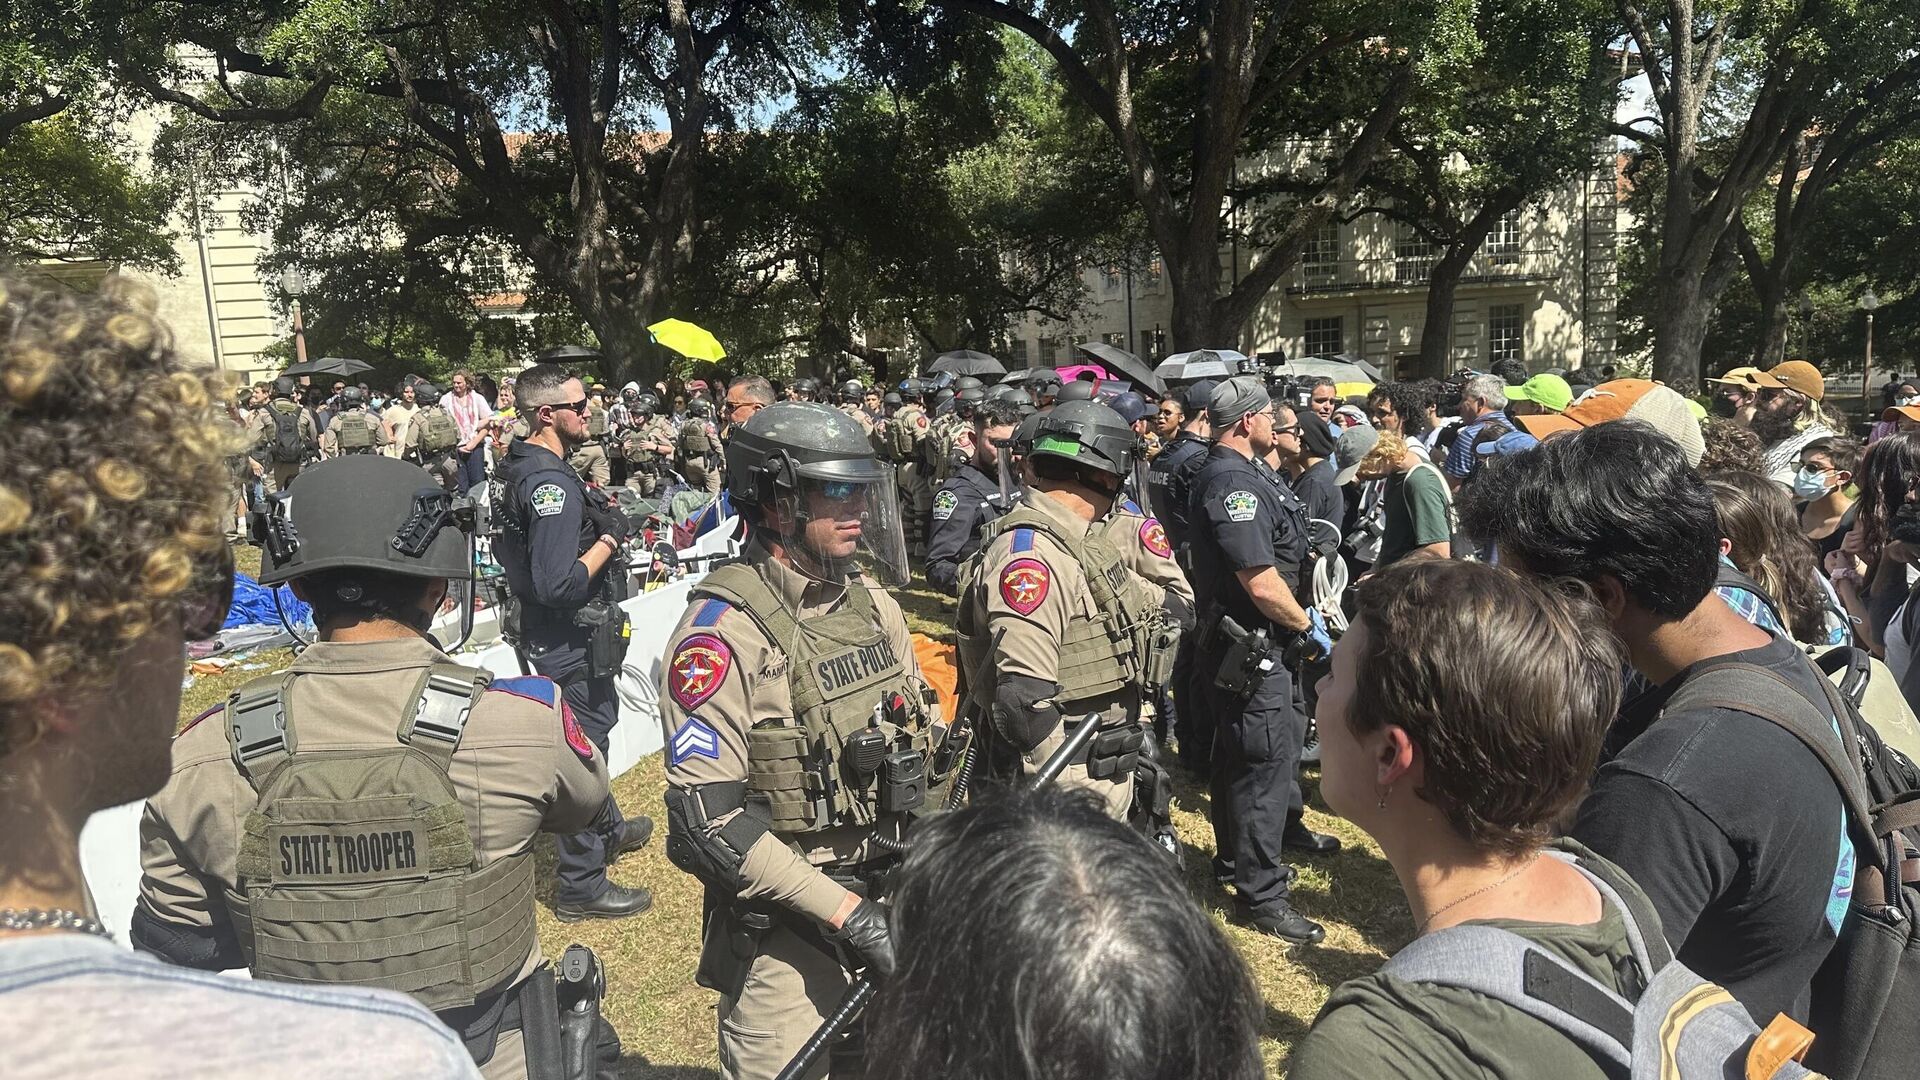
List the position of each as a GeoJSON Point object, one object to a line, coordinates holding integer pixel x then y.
{"type": "Point", "coordinates": [1200, 364]}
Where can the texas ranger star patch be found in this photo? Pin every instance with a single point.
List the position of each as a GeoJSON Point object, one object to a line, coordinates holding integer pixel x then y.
{"type": "Point", "coordinates": [696, 738]}
{"type": "Point", "coordinates": [697, 670]}
{"type": "Point", "coordinates": [944, 504]}
{"type": "Point", "coordinates": [548, 499]}
{"type": "Point", "coordinates": [1024, 585]}
{"type": "Point", "coordinates": [1241, 505]}
{"type": "Point", "coordinates": [1155, 538]}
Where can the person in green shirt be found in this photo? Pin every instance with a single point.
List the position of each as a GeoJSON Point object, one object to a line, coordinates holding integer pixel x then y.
{"type": "Point", "coordinates": [1418, 505]}
{"type": "Point", "coordinates": [1461, 720]}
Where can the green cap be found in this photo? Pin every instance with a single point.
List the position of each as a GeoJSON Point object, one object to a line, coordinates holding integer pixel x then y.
{"type": "Point", "coordinates": [1547, 391]}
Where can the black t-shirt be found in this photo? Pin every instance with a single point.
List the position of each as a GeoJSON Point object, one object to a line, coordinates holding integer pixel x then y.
{"type": "Point", "coordinates": [1735, 831]}
{"type": "Point", "coordinates": [1321, 494]}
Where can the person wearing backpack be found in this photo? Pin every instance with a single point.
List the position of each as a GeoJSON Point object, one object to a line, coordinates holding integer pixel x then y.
{"type": "Point", "coordinates": [1532, 957]}
{"type": "Point", "coordinates": [1730, 823]}
{"type": "Point", "coordinates": [1417, 514]}
{"type": "Point", "coordinates": [284, 435]}
{"type": "Point", "coordinates": [369, 817]}
{"type": "Point", "coordinates": [434, 436]}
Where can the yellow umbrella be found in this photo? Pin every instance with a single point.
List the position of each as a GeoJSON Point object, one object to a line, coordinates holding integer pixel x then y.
{"type": "Point", "coordinates": [687, 339]}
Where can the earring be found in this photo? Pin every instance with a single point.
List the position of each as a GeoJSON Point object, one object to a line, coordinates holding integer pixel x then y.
{"type": "Point", "coordinates": [1384, 796]}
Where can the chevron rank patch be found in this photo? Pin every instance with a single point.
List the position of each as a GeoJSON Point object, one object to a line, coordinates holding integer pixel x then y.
{"type": "Point", "coordinates": [695, 738]}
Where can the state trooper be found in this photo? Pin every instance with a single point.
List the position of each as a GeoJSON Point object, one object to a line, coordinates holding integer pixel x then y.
{"type": "Point", "coordinates": [283, 435]}
{"type": "Point", "coordinates": [697, 447]}
{"type": "Point", "coordinates": [852, 397]}
{"type": "Point", "coordinates": [590, 458]}
{"type": "Point", "coordinates": [1249, 539]}
{"type": "Point", "coordinates": [975, 496]}
{"type": "Point", "coordinates": [904, 436]}
{"type": "Point", "coordinates": [647, 445]}
{"type": "Point", "coordinates": [796, 725]}
{"type": "Point", "coordinates": [559, 544]}
{"type": "Point", "coordinates": [277, 844]}
{"type": "Point", "coordinates": [433, 438]}
{"type": "Point", "coordinates": [1170, 482]}
{"type": "Point", "coordinates": [353, 430]}
{"type": "Point", "coordinates": [1055, 630]}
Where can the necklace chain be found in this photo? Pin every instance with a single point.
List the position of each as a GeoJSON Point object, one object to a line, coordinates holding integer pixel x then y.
{"type": "Point", "coordinates": [54, 919]}
{"type": "Point", "coordinates": [1457, 901]}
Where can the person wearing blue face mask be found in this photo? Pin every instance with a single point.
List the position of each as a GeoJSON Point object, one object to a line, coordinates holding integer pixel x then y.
{"type": "Point", "coordinates": [1823, 488]}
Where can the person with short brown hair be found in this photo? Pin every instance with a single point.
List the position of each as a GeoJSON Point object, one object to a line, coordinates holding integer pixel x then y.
{"type": "Point", "coordinates": [1459, 726]}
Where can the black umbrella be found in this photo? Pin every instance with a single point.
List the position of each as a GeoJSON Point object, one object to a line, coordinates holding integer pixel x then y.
{"type": "Point", "coordinates": [967, 362]}
{"type": "Point", "coordinates": [330, 365]}
{"type": "Point", "coordinates": [1121, 362]}
{"type": "Point", "coordinates": [570, 353]}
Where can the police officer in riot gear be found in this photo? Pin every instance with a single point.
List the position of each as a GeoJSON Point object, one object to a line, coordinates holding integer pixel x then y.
{"type": "Point", "coordinates": [1044, 386]}
{"type": "Point", "coordinates": [1170, 482]}
{"type": "Point", "coordinates": [352, 430]}
{"type": "Point", "coordinates": [559, 544]}
{"type": "Point", "coordinates": [975, 496]}
{"type": "Point", "coordinates": [1055, 630]}
{"type": "Point", "coordinates": [796, 728]}
{"type": "Point", "coordinates": [277, 845]}
{"type": "Point", "coordinates": [1249, 539]}
{"type": "Point", "coordinates": [806, 389]}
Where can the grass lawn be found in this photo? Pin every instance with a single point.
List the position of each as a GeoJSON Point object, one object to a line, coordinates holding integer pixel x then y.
{"type": "Point", "coordinates": [666, 1023]}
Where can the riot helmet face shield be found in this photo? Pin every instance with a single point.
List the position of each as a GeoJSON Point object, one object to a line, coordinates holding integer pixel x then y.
{"type": "Point", "coordinates": [832, 525]}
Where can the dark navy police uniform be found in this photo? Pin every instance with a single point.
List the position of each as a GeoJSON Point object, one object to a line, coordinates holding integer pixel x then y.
{"type": "Point", "coordinates": [1244, 516]}
{"type": "Point", "coordinates": [960, 509]}
{"type": "Point", "coordinates": [541, 506]}
{"type": "Point", "coordinates": [1170, 477]}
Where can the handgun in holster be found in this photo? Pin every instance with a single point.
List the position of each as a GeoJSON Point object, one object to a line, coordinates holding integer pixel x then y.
{"type": "Point", "coordinates": [1248, 658]}
{"type": "Point", "coordinates": [579, 985]}
{"type": "Point", "coordinates": [734, 930]}
{"type": "Point", "coordinates": [608, 635]}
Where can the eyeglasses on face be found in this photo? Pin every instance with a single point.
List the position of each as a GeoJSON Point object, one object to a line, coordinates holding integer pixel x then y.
{"type": "Point", "coordinates": [575, 407]}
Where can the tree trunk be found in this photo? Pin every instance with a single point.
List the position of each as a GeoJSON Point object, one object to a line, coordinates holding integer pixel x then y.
{"type": "Point", "coordinates": [1771, 345]}
{"type": "Point", "coordinates": [1194, 278]}
{"type": "Point", "coordinates": [1436, 336]}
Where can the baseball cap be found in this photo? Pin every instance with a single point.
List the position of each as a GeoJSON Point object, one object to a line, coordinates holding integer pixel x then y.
{"type": "Point", "coordinates": [1354, 444]}
{"type": "Point", "coordinates": [1795, 375]}
{"type": "Point", "coordinates": [1896, 412]}
{"type": "Point", "coordinates": [1235, 399]}
{"type": "Point", "coordinates": [1513, 442]}
{"type": "Point", "coordinates": [1199, 396]}
{"type": "Point", "coordinates": [1659, 406]}
{"type": "Point", "coordinates": [1740, 376]}
{"type": "Point", "coordinates": [1546, 391]}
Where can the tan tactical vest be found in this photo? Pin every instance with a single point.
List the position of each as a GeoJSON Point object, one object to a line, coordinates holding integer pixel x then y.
{"type": "Point", "coordinates": [437, 430]}
{"type": "Point", "coordinates": [596, 421]}
{"type": "Point", "coordinates": [357, 867]}
{"type": "Point", "coordinates": [839, 666]}
{"type": "Point", "coordinates": [1100, 655]}
{"type": "Point", "coordinates": [353, 432]}
{"type": "Point", "coordinates": [904, 432]}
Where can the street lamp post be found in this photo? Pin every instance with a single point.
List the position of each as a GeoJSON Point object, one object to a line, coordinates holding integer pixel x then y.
{"type": "Point", "coordinates": [1868, 302]}
{"type": "Point", "coordinates": [294, 284]}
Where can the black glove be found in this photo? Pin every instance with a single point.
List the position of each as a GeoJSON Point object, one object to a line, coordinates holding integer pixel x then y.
{"type": "Point", "coordinates": [606, 517]}
{"type": "Point", "coordinates": [865, 932]}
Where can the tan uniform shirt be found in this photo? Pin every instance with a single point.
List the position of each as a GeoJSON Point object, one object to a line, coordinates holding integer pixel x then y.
{"type": "Point", "coordinates": [522, 768]}
{"type": "Point", "coordinates": [723, 680]}
{"type": "Point", "coordinates": [1144, 547]}
{"type": "Point", "coordinates": [261, 424]}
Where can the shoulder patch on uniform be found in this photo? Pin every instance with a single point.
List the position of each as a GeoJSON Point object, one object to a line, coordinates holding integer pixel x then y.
{"type": "Point", "coordinates": [548, 499]}
{"type": "Point", "coordinates": [576, 739]}
{"type": "Point", "coordinates": [920, 421]}
{"type": "Point", "coordinates": [695, 738]}
{"type": "Point", "coordinates": [944, 504]}
{"type": "Point", "coordinates": [697, 669]}
{"type": "Point", "coordinates": [191, 724]}
{"type": "Point", "coordinates": [532, 687]}
{"type": "Point", "coordinates": [1024, 584]}
{"type": "Point", "coordinates": [1023, 540]}
{"type": "Point", "coordinates": [1154, 536]}
{"type": "Point", "coordinates": [1240, 505]}
{"type": "Point", "coordinates": [710, 612]}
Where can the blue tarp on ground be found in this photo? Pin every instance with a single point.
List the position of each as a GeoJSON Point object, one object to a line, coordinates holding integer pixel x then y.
{"type": "Point", "coordinates": [253, 603]}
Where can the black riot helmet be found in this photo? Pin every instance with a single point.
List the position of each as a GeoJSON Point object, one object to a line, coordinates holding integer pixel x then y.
{"type": "Point", "coordinates": [1043, 384]}
{"type": "Point", "coordinates": [1077, 390]}
{"type": "Point", "coordinates": [893, 400]}
{"type": "Point", "coordinates": [851, 392]}
{"type": "Point", "coordinates": [1086, 433]}
{"type": "Point", "coordinates": [352, 398]}
{"type": "Point", "coordinates": [1020, 398]}
{"type": "Point", "coordinates": [965, 400]}
{"type": "Point", "coordinates": [699, 407]}
{"type": "Point", "coordinates": [367, 512]}
{"type": "Point", "coordinates": [806, 389]}
{"type": "Point", "coordinates": [787, 454]}
{"type": "Point", "coordinates": [645, 404]}
{"type": "Point", "coordinates": [285, 387]}
{"type": "Point", "coordinates": [967, 382]}
{"type": "Point", "coordinates": [942, 399]}
{"type": "Point", "coordinates": [425, 394]}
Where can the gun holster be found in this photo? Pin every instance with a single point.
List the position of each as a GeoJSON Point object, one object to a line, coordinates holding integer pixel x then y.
{"type": "Point", "coordinates": [1246, 661]}
{"type": "Point", "coordinates": [540, 1027]}
{"type": "Point", "coordinates": [1156, 667]}
{"type": "Point", "coordinates": [577, 990]}
{"type": "Point", "coordinates": [608, 636]}
{"type": "Point", "coordinates": [731, 941]}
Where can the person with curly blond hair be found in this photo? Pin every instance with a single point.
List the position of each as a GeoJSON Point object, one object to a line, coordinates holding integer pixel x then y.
{"type": "Point", "coordinates": [113, 489]}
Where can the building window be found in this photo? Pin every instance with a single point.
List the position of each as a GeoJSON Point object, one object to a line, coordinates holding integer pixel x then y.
{"type": "Point", "coordinates": [490, 272]}
{"type": "Point", "coordinates": [1022, 349]}
{"type": "Point", "coordinates": [1110, 280]}
{"type": "Point", "coordinates": [1117, 339]}
{"type": "Point", "coordinates": [1412, 255]}
{"type": "Point", "coordinates": [1506, 332]}
{"type": "Point", "coordinates": [1048, 346]}
{"type": "Point", "coordinates": [1503, 242]}
{"type": "Point", "coordinates": [1320, 260]}
{"type": "Point", "coordinates": [1153, 344]}
{"type": "Point", "coordinates": [1151, 275]}
{"type": "Point", "coordinates": [1326, 337]}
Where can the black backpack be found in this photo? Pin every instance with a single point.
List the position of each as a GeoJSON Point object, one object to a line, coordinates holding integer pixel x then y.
{"type": "Point", "coordinates": [1866, 995]}
{"type": "Point", "coordinates": [287, 448]}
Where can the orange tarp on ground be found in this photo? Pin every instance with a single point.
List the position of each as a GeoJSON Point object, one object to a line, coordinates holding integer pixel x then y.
{"type": "Point", "coordinates": [940, 667]}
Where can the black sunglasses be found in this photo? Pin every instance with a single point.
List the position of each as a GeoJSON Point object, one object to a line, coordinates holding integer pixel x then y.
{"type": "Point", "coordinates": [575, 407]}
{"type": "Point", "coordinates": [203, 609]}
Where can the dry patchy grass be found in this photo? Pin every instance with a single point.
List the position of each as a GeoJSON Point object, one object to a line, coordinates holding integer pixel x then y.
{"type": "Point", "coordinates": [666, 1023]}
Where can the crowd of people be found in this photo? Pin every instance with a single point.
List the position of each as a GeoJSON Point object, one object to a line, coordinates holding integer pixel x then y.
{"type": "Point", "coordinates": [1546, 636]}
